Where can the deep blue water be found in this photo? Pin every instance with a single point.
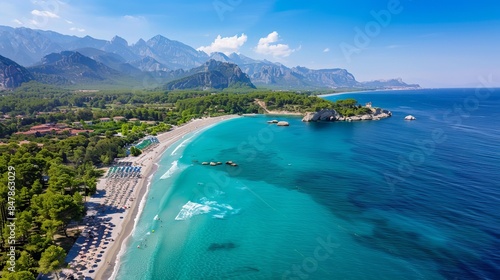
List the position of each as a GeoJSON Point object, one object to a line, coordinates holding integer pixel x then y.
{"type": "Point", "coordinates": [388, 199]}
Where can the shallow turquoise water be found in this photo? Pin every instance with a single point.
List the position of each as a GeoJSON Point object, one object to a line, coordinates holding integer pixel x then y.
{"type": "Point", "coordinates": [385, 199]}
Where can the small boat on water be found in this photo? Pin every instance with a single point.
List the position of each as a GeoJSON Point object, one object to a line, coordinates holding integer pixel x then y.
{"type": "Point", "coordinates": [410, 118]}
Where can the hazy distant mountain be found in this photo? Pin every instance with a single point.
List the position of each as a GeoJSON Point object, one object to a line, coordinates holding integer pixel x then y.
{"type": "Point", "coordinates": [165, 59]}
{"type": "Point", "coordinates": [212, 75]}
{"type": "Point", "coordinates": [331, 78]}
{"type": "Point", "coordinates": [24, 45]}
{"type": "Point", "coordinates": [266, 73]}
{"type": "Point", "coordinates": [274, 75]}
{"type": "Point", "coordinates": [221, 57]}
{"type": "Point", "coordinates": [149, 64]}
{"type": "Point", "coordinates": [119, 46]}
{"type": "Point", "coordinates": [28, 46]}
{"type": "Point", "coordinates": [12, 74]}
{"type": "Point", "coordinates": [70, 67]}
{"type": "Point", "coordinates": [112, 60]}
{"type": "Point", "coordinates": [173, 54]}
{"type": "Point", "coordinates": [391, 84]}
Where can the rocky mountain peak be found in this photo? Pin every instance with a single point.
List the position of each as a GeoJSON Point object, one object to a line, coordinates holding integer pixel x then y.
{"type": "Point", "coordinates": [117, 40]}
{"type": "Point", "coordinates": [140, 43]}
{"type": "Point", "coordinates": [158, 39]}
{"type": "Point", "coordinates": [212, 75]}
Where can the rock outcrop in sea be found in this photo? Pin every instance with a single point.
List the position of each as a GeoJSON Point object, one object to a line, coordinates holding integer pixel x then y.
{"type": "Point", "coordinates": [331, 115]}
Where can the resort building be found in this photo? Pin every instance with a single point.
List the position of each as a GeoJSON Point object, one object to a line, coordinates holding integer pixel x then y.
{"type": "Point", "coordinates": [47, 128]}
{"type": "Point", "coordinates": [119, 118]}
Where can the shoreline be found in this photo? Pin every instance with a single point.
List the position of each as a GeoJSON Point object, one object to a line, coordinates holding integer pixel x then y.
{"type": "Point", "coordinates": [345, 92]}
{"type": "Point", "coordinates": [150, 159]}
{"type": "Point", "coordinates": [284, 113]}
{"type": "Point", "coordinates": [366, 91]}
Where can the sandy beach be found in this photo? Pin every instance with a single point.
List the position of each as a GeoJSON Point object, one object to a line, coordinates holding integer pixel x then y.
{"type": "Point", "coordinates": [115, 207]}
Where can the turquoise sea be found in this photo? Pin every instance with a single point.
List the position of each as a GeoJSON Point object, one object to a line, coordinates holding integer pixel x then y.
{"type": "Point", "coordinates": [388, 199]}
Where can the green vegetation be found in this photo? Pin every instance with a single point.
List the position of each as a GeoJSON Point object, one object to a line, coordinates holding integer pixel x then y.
{"type": "Point", "coordinates": [56, 171]}
{"type": "Point", "coordinates": [230, 103]}
{"type": "Point", "coordinates": [134, 151]}
{"type": "Point", "coordinates": [45, 197]}
{"type": "Point", "coordinates": [350, 107]}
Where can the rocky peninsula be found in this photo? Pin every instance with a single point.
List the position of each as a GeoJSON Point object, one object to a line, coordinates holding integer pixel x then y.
{"type": "Point", "coordinates": [331, 115]}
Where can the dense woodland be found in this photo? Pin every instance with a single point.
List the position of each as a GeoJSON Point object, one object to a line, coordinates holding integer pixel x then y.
{"type": "Point", "coordinates": [54, 173]}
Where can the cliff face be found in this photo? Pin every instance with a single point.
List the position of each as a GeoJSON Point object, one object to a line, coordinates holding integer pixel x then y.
{"type": "Point", "coordinates": [12, 74]}
{"type": "Point", "coordinates": [212, 74]}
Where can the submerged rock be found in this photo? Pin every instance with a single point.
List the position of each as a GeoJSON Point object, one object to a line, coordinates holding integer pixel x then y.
{"type": "Point", "coordinates": [221, 246]}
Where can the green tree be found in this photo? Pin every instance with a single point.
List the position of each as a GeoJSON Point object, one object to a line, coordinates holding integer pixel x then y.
{"type": "Point", "coordinates": [19, 275]}
{"type": "Point", "coordinates": [85, 114]}
{"type": "Point", "coordinates": [61, 178]}
{"type": "Point", "coordinates": [24, 224]}
{"type": "Point", "coordinates": [25, 262]}
{"type": "Point", "coordinates": [52, 259]}
{"type": "Point", "coordinates": [135, 151]}
{"type": "Point", "coordinates": [125, 129]}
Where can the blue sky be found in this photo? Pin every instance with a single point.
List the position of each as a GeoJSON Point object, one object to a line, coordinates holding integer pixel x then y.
{"type": "Point", "coordinates": [433, 43]}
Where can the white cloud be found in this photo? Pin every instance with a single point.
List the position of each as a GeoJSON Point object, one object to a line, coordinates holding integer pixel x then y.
{"type": "Point", "coordinates": [44, 14]}
{"type": "Point", "coordinates": [226, 45]}
{"type": "Point", "coordinates": [69, 22]}
{"type": "Point", "coordinates": [266, 46]}
{"type": "Point", "coordinates": [77, 29]}
{"type": "Point", "coordinates": [17, 21]}
{"type": "Point", "coordinates": [326, 50]}
{"type": "Point", "coordinates": [34, 22]}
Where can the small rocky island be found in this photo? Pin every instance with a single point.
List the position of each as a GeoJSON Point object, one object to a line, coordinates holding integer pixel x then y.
{"type": "Point", "coordinates": [330, 115]}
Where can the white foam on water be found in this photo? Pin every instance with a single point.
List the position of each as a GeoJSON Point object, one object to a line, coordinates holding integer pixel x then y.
{"type": "Point", "coordinates": [123, 249]}
{"type": "Point", "coordinates": [174, 168]}
{"type": "Point", "coordinates": [219, 210]}
{"type": "Point", "coordinates": [191, 209]}
{"type": "Point", "coordinates": [183, 143]}
{"type": "Point", "coordinates": [219, 216]}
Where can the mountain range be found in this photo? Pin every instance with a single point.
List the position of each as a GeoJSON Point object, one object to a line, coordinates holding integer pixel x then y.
{"type": "Point", "coordinates": [51, 57]}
